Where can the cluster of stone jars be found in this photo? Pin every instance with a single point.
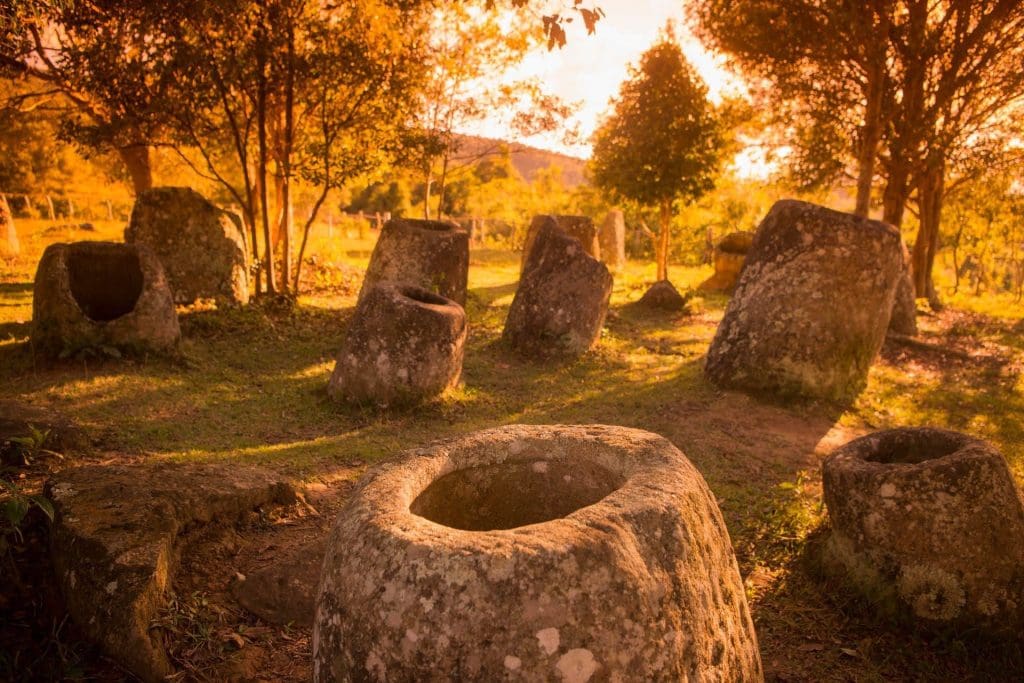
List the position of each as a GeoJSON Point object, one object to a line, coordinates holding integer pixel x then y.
{"type": "Point", "coordinates": [580, 553]}
{"type": "Point", "coordinates": [407, 338]}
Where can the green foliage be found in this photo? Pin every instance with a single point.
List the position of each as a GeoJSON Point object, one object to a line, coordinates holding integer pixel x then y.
{"type": "Point", "coordinates": [664, 141]}
{"type": "Point", "coordinates": [32, 446]}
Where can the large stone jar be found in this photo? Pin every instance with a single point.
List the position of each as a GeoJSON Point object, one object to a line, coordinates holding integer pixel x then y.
{"type": "Point", "coordinates": [202, 247]}
{"type": "Point", "coordinates": [102, 295]}
{"type": "Point", "coordinates": [562, 299]}
{"type": "Point", "coordinates": [405, 345]}
{"type": "Point", "coordinates": [811, 309]}
{"type": "Point", "coordinates": [534, 553]}
{"type": "Point", "coordinates": [580, 228]}
{"type": "Point", "coordinates": [432, 255]}
{"type": "Point", "coordinates": [928, 523]}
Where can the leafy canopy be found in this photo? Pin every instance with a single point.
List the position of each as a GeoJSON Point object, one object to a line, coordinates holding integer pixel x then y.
{"type": "Point", "coordinates": [664, 142]}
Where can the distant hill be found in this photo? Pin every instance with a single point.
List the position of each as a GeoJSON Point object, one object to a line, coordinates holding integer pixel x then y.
{"type": "Point", "coordinates": [527, 160]}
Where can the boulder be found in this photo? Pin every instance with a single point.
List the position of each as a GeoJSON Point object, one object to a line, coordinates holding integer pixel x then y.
{"type": "Point", "coordinates": [534, 553]}
{"type": "Point", "coordinates": [663, 296]}
{"type": "Point", "coordinates": [612, 240]}
{"type": "Point", "coordinates": [562, 298]}
{"type": "Point", "coordinates": [116, 542]}
{"type": "Point", "coordinates": [929, 524]}
{"type": "Point", "coordinates": [730, 255]}
{"type": "Point", "coordinates": [811, 309]}
{"type": "Point", "coordinates": [202, 247]}
{"type": "Point", "coordinates": [432, 255]}
{"type": "Point", "coordinates": [284, 592]}
{"type": "Point", "coordinates": [102, 295]}
{"type": "Point", "coordinates": [10, 247]}
{"type": "Point", "coordinates": [405, 345]}
{"type": "Point", "coordinates": [580, 228]}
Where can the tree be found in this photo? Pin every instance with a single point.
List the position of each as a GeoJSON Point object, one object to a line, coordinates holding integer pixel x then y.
{"type": "Point", "coordinates": [105, 59]}
{"type": "Point", "coordinates": [471, 52]}
{"type": "Point", "coordinates": [663, 143]}
{"type": "Point", "coordinates": [900, 88]}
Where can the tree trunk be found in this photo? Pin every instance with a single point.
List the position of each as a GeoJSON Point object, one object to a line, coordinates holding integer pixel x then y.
{"type": "Point", "coordinates": [428, 181]}
{"type": "Point", "coordinates": [261, 166]}
{"type": "Point", "coordinates": [871, 133]}
{"type": "Point", "coordinates": [894, 197]}
{"type": "Point", "coordinates": [286, 161]}
{"type": "Point", "coordinates": [661, 249]}
{"type": "Point", "coordinates": [931, 191]}
{"type": "Point", "coordinates": [136, 160]}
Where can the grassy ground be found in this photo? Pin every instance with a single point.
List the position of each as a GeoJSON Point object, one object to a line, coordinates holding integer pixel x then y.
{"type": "Point", "coordinates": [249, 386]}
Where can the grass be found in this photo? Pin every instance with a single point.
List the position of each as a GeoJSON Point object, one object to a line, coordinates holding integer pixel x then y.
{"type": "Point", "coordinates": [248, 386]}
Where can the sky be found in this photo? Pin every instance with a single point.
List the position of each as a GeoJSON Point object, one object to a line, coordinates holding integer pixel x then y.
{"type": "Point", "coordinates": [590, 69]}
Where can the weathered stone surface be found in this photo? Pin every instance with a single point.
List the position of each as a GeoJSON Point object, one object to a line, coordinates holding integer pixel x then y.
{"type": "Point", "coordinates": [116, 543]}
{"type": "Point", "coordinates": [404, 345]}
{"type": "Point", "coordinates": [929, 523]}
{"type": "Point", "coordinates": [562, 299]}
{"type": "Point", "coordinates": [730, 255]}
{"type": "Point", "coordinates": [534, 553]}
{"type": "Point", "coordinates": [580, 228]}
{"type": "Point", "coordinates": [812, 306]}
{"type": "Point", "coordinates": [904, 308]}
{"type": "Point", "coordinates": [663, 296]}
{"type": "Point", "coordinates": [10, 247]}
{"type": "Point", "coordinates": [612, 240]}
{"type": "Point", "coordinates": [432, 255]}
{"type": "Point", "coordinates": [202, 247]}
{"type": "Point", "coordinates": [102, 294]}
{"type": "Point", "coordinates": [284, 592]}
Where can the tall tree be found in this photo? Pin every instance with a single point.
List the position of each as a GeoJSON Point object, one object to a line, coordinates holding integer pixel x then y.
{"type": "Point", "coordinates": [105, 57]}
{"type": "Point", "coordinates": [471, 53]}
{"type": "Point", "coordinates": [896, 88]}
{"type": "Point", "coordinates": [664, 141]}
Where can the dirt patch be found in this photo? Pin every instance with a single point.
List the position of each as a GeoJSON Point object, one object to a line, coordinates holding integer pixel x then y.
{"type": "Point", "coordinates": [209, 635]}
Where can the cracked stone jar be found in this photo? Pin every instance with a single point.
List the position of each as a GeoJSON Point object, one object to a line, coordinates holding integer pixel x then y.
{"type": "Point", "coordinates": [928, 523]}
{"type": "Point", "coordinates": [561, 553]}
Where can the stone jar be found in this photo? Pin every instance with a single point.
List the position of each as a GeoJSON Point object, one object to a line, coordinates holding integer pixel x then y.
{"type": "Point", "coordinates": [201, 246]}
{"type": "Point", "coordinates": [561, 301]}
{"type": "Point", "coordinates": [612, 240]}
{"type": "Point", "coordinates": [812, 306]}
{"type": "Point", "coordinates": [534, 553]}
{"type": "Point", "coordinates": [729, 256]}
{"type": "Point", "coordinates": [432, 255]}
{"type": "Point", "coordinates": [580, 228]}
{"type": "Point", "coordinates": [928, 523]}
{"type": "Point", "coordinates": [102, 294]}
{"type": "Point", "coordinates": [405, 345]}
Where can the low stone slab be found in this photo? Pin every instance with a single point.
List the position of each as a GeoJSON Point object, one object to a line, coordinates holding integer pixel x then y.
{"type": "Point", "coordinates": [562, 298]}
{"type": "Point", "coordinates": [102, 294]}
{"type": "Point", "coordinates": [405, 345]}
{"type": "Point", "coordinates": [202, 247]}
{"type": "Point", "coordinates": [431, 255]}
{"type": "Point", "coordinates": [534, 553]}
{"type": "Point", "coordinates": [116, 545]}
{"type": "Point", "coordinates": [812, 306]}
{"type": "Point", "coordinates": [928, 523]}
